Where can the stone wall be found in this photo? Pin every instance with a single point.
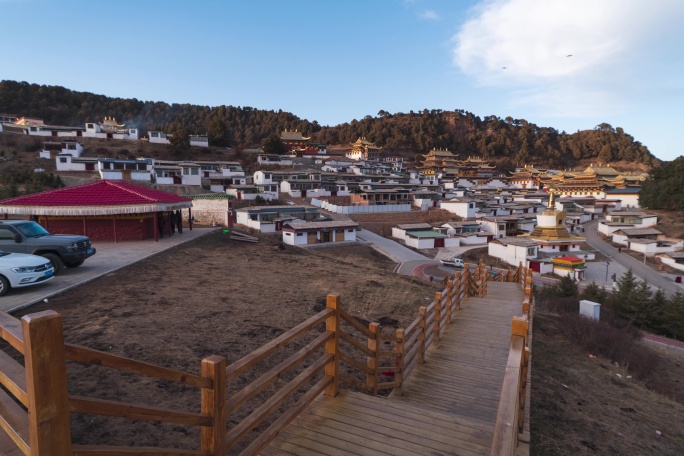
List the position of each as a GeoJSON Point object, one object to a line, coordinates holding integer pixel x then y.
{"type": "Point", "coordinates": [210, 211]}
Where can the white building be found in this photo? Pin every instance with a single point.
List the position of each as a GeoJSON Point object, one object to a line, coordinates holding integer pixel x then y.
{"type": "Point", "coordinates": [514, 250]}
{"type": "Point", "coordinates": [67, 162]}
{"type": "Point", "coordinates": [199, 140]}
{"type": "Point", "coordinates": [158, 137]}
{"type": "Point", "coordinates": [305, 233]}
{"type": "Point", "coordinates": [118, 169]}
{"type": "Point", "coordinates": [109, 129]}
{"type": "Point", "coordinates": [620, 220]}
{"type": "Point", "coordinates": [52, 149]}
{"type": "Point", "coordinates": [463, 207]}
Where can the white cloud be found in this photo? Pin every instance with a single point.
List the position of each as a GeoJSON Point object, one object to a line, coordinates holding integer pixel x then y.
{"type": "Point", "coordinates": [532, 39]}
{"type": "Point", "coordinates": [428, 15]}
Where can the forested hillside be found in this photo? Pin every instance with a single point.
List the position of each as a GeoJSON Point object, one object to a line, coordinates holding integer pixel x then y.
{"type": "Point", "coordinates": [665, 187]}
{"type": "Point", "coordinates": [461, 132]}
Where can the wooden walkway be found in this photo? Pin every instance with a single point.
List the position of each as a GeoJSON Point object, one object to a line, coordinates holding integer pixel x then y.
{"type": "Point", "coordinates": [449, 404]}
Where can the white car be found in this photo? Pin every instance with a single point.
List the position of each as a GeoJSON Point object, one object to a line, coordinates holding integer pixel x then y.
{"type": "Point", "coordinates": [21, 270]}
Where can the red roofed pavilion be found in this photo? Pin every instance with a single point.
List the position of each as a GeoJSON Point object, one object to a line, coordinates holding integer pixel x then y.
{"type": "Point", "coordinates": [104, 210]}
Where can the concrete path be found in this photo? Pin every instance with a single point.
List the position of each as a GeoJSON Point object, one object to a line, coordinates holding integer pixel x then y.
{"type": "Point", "coordinates": [109, 258]}
{"type": "Point", "coordinates": [390, 248]}
{"type": "Point", "coordinates": [643, 271]}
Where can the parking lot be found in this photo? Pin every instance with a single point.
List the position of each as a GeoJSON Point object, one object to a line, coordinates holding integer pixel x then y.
{"type": "Point", "coordinates": [110, 256]}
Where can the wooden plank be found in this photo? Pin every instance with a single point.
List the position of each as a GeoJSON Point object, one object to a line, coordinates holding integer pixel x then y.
{"type": "Point", "coordinates": [350, 320]}
{"type": "Point", "coordinates": [14, 424]}
{"type": "Point", "coordinates": [290, 414]}
{"type": "Point", "coordinates": [352, 381]}
{"type": "Point", "coordinates": [279, 342]}
{"type": "Point", "coordinates": [102, 407]}
{"type": "Point", "coordinates": [258, 415]}
{"type": "Point", "coordinates": [357, 364]}
{"type": "Point", "coordinates": [277, 372]}
{"type": "Point", "coordinates": [10, 330]}
{"type": "Point", "coordinates": [94, 450]}
{"type": "Point", "coordinates": [400, 427]}
{"type": "Point", "coordinates": [99, 358]}
{"type": "Point", "coordinates": [13, 377]}
{"type": "Point", "coordinates": [356, 344]}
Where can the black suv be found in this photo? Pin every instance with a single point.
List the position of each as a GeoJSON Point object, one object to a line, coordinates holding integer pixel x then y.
{"type": "Point", "coordinates": [24, 236]}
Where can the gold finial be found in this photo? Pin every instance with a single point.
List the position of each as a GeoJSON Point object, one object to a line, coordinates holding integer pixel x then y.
{"type": "Point", "coordinates": [551, 192]}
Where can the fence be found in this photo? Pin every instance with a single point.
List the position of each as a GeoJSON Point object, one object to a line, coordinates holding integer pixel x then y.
{"type": "Point", "coordinates": [345, 352]}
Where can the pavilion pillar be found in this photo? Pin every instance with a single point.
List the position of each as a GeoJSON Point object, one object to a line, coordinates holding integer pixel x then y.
{"type": "Point", "coordinates": [85, 226]}
{"type": "Point", "coordinates": [114, 226]}
{"type": "Point", "coordinates": [155, 218]}
{"type": "Point", "coordinates": [190, 218]}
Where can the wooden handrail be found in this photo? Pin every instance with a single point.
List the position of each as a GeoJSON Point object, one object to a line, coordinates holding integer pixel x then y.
{"type": "Point", "coordinates": [102, 407]}
{"type": "Point", "coordinates": [356, 344]}
{"type": "Point", "coordinates": [350, 320]}
{"type": "Point", "coordinates": [261, 413]}
{"type": "Point", "coordinates": [99, 358]}
{"type": "Point", "coordinates": [14, 422]}
{"type": "Point", "coordinates": [505, 438]}
{"type": "Point", "coordinates": [281, 341]}
{"type": "Point", "coordinates": [279, 371]}
{"type": "Point", "coordinates": [10, 330]}
{"type": "Point", "coordinates": [13, 377]}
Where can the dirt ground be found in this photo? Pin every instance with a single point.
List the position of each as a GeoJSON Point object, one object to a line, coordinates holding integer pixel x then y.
{"type": "Point", "coordinates": [590, 406]}
{"type": "Point", "coordinates": [212, 296]}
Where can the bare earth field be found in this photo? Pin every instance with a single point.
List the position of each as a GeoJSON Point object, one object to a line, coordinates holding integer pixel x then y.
{"type": "Point", "coordinates": [212, 296]}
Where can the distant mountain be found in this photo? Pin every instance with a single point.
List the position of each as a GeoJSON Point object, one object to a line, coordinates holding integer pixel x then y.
{"type": "Point", "coordinates": [515, 141]}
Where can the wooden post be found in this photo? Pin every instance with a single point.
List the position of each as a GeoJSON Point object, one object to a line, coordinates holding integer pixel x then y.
{"type": "Point", "coordinates": [373, 361]}
{"type": "Point", "coordinates": [213, 439]}
{"type": "Point", "coordinates": [114, 226]}
{"type": "Point", "coordinates": [399, 361]}
{"type": "Point", "coordinates": [332, 323]}
{"type": "Point", "coordinates": [438, 314]}
{"type": "Point", "coordinates": [519, 328]}
{"type": "Point", "coordinates": [450, 300]}
{"type": "Point", "coordinates": [155, 223]}
{"type": "Point", "coordinates": [421, 335]}
{"type": "Point", "coordinates": [459, 289]}
{"type": "Point", "coordinates": [46, 384]}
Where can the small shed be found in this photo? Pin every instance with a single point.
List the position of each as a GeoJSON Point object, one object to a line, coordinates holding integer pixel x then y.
{"type": "Point", "coordinates": [104, 210]}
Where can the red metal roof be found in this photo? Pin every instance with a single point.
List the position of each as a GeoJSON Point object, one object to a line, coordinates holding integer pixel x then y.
{"type": "Point", "coordinates": [98, 193]}
{"type": "Point", "coordinates": [569, 258]}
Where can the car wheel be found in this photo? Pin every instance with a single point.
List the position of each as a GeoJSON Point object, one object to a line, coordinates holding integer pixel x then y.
{"type": "Point", "coordinates": [4, 286]}
{"type": "Point", "coordinates": [56, 261]}
{"type": "Point", "coordinates": [75, 264]}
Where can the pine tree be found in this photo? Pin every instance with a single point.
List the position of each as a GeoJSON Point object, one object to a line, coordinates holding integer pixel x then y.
{"type": "Point", "coordinates": [673, 316]}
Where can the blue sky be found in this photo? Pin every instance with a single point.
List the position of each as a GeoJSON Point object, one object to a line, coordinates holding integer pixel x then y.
{"type": "Point", "coordinates": [334, 61]}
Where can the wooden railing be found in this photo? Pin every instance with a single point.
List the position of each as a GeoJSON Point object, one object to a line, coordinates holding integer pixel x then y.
{"type": "Point", "coordinates": [345, 352]}
{"type": "Point", "coordinates": [41, 387]}
{"type": "Point", "coordinates": [511, 412]}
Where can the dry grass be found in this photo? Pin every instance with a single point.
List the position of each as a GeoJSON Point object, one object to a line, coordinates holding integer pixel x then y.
{"type": "Point", "coordinates": [583, 405]}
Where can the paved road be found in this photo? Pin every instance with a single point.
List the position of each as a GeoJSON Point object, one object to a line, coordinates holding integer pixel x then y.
{"type": "Point", "coordinates": [390, 248]}
{"type": "Point", "coordinates": [627, 261]}
{"type": "Point", "coordinates": [109, 258]}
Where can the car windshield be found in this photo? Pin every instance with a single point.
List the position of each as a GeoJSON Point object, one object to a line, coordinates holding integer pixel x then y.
{"type": "Point", "coordinates": [31, 229]}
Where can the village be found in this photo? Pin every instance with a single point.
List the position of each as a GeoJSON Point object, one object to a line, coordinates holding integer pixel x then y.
{"type": "Point", "coordinates": [310, 195]}
{"type": "Point", "coordinates": [384, 232]}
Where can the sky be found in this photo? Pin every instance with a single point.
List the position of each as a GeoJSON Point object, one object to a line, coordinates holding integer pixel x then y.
{"type": "Point", "coordinates": [566, 64]}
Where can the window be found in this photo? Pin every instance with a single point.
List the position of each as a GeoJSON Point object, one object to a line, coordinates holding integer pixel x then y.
{"type": "Point", "coordinates": [194, 171]}
{"type": "Point", "coordinates": [5, 234]}
{"type": "Point", "coordinates": [290, 234]}
{"type": "Point", "coordinates": [155, 135]}
{"type": "Point", "coordinates": [300, 234]}
{"type": "Point", "coordinates": [62, 159]}
{"type": "Point", "coordinates": [91, 126]}
{"type": "Point", "coordinates": [350, 231]}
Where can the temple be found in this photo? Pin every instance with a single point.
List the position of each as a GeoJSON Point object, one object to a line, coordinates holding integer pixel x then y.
{"type": "Point", "coordinates": [363, 149]}
{"type": "Point", "coordinates": [109, 125]}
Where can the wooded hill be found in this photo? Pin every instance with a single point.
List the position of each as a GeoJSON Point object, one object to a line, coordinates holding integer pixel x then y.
{"type": "Point", "coordinates": [464, 133]}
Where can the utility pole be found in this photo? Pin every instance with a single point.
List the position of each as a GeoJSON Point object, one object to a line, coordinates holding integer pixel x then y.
{"type": "Point", "coordinates": [607, 264]}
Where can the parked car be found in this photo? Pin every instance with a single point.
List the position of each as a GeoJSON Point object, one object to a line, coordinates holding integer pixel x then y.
{"type": "Point", "coordinates": [453, 262]}
{"type": "Point", "coordinates": [25, 236]}
{"type": "Point", "coordinates": [21, 270]}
